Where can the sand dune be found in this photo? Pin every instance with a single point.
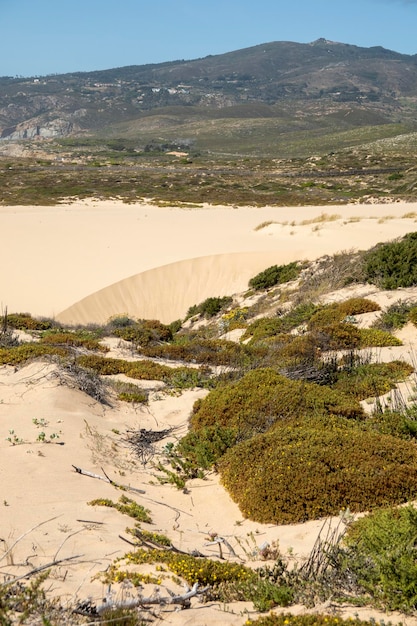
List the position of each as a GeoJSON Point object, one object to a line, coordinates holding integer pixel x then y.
{"type": "Point", "coordinates": [81, 262]}
{"type": "Point", "coordinates": [167, 292]}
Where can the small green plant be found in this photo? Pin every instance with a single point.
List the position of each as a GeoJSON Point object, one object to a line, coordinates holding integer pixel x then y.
{"type": "Point", "coordinates": [13, 438]}
{"type": "Point", "coordinates": [127, 506]}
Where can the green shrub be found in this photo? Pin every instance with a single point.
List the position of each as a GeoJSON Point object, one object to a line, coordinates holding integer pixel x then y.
{"type": "Point", "coordinates": [413, 315]}
{"type": "Point", "coordinates": [376, 338]}
{"type": "Point", "coordinates": [129, 392]}
{"type": "Point", "coordinates": [76, 339]}
{"type": "Point", "coordinates": [120, 321]}
{"type": "Point", "coordinates": [204, 351]}
{"type": "Point", "coordinates": [24, 352]}
{"type": "Point", "coordinates": [357, 306]}
{"type": "Point", "coordinates": [381, 553]}
{"type": "Point", "coordinates": [299, 474]}
{"type": "Point", "coordinates": [263, 328]}
{"type": "Point", "coordinates": [393, 265]}
{"type": "Point", "coordinates": [127, 506]}
{"type": "Point", "coordinates": [398, 423]}
{"type": "Point", "coordinates": [395, 317]}
{"type": "Point", "coordinates": [182, 377]}
{"type": "Point", "coordinates": [209, 307]}
{"type": "Point", "coordinates": [339, 311]}
{"type": "Point", "coordinates": [329, 314]}
{"type": "Point", "coordinates": [275, 275]}
{"type": "Point", "coordinates": [103, 365]}
{"type": "Point", "coordinates": [24, 321]}
{"type": "Point", "coordinates": [144, 332]}
{"type": "Point", "coordinates": [191, 569]}
{"type": "Point", "coordinates": [372, 379]}
{"type": "Point", "coordinates": [263, 398]}
{"type": "Point", "coordinates": [204, 447]}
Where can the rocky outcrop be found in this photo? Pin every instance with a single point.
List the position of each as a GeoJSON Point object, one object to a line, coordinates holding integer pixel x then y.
{"type": "Point", "coordinates": [48, 130]}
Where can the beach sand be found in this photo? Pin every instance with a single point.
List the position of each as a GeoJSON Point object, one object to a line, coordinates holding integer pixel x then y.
{"type": "Point", "coordinates": [84, 262]}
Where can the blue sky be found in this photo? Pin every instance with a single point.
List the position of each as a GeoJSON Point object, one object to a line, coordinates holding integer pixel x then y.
{"type": "Point", "coordinates": [40, 37]}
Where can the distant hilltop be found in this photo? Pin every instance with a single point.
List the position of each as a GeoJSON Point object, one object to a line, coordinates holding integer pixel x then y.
{"type": "Point", "coordinates": [277, 74]}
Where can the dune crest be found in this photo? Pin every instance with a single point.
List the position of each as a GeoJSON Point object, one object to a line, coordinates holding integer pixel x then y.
{"type": "Point", "coordinates": [167, 292]}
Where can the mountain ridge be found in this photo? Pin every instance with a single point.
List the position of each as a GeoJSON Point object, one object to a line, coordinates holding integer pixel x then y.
{"type": "Point", "coordinates": [288, 74]}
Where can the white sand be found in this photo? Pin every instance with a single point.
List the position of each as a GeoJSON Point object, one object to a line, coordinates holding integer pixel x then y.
{"type": "Point", "coordinates": [54, 257]}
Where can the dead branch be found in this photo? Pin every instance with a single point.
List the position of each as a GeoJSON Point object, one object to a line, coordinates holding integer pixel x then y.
{"type": "Point", "coordinates": [152, 545]}
{"type": "Point", "coordinates": [36, 570]}
{"type": "Point", "coordinates": [221, 540]}
{"type": "Point", "coordinates": [106, 479]}
{"type": "Point", "coordinates": [86, 608]}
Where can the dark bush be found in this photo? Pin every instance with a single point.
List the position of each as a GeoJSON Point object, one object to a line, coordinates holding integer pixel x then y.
{"type": "Point", "coordinates": [394, 317]}
{"type": "Point", "coordinates": [209, 307]}
{"type": "Point", "coordinates": [275, 275]}
{"type": "Point", "coordinates": [393, 265]}
{"type": "Point", "coordinates": [204, 447]}
{"type": "Point", "coordinates": [144, 332]}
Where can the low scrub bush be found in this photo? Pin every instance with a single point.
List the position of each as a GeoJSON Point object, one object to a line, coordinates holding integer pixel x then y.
{"type": "Point", "coordinates": [380, 555]}
{"type": "Point", "coordinates": [209, 307]}
{"type": "Point", "coordinates": [144, 332]}
{"type": "Point", "coordinates": [24, 321]}
{"type": "Point", "coordinates": [227, 581]}
{"type": "Point", "coordinates": [17, 355]}
{"type": "Point", "coordinates": [393, 265]}
{"type": "Point", "coordinates": [371, 379]}
{"type": "Point", "coordinates": [127, 506]}
{"type": "Point", "coordinates": [398, 423]}
{"type": "Point", "coordinates": [205, 446]}
{"type": "Point", "coordinates": [263, 398]}
{"type": "Point", "coordinates": [377, 338]}
{"type": "Point", "coordinates": [78, 339]}
{"type": "Point", "coordinates": [205, 351]}
{"type": "Point", "coordinates": [275, 275]}
{"type": "Point", "coordinates": [357, 306]}
{"type": "Point", "coordinates": [182, 377]}
{"type": "Point", "coordinates": [191, 569]}
{"type": "Point", "coordinates": [338, 311]}
{"type": "Point", "coordinates": [129, 392]}
{"type": "Point", "coordinates": [395, 317]}
{"type": "Point", "coordinates": [300, 474]}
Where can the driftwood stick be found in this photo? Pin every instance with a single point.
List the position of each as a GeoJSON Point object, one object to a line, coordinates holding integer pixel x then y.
{"type": "Point", "coordinates": [183, 599]}
{"type": "Point", "coordinates": [36, 570]}
{"type": "Point", "coordinates": [106, 479]}
{"type": "Point", "coordinates": [219, 541]}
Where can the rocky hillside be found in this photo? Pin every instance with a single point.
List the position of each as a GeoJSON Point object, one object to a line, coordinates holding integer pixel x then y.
{"type": "Point", "coordinates": [281, 78]}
